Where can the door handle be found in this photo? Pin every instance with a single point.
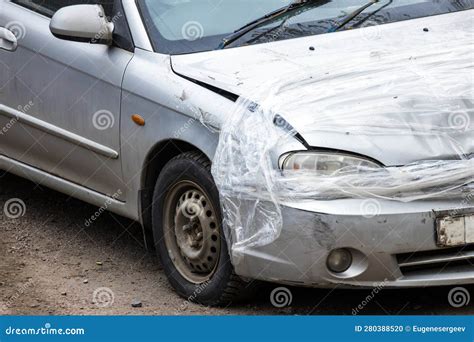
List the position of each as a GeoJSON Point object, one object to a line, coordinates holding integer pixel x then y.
{"type": "Point", "coordinates": [8, 40]}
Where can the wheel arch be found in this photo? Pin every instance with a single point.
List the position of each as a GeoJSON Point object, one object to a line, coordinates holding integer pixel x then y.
{"type": "Point", "coordinates": [158, 156]}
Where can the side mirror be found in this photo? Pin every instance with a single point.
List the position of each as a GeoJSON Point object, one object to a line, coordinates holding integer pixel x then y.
{"type": "Point", "coordinates": [84, 23]}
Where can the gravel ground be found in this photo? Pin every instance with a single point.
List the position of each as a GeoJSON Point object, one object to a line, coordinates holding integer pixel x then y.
{"type": "Point", "coordinates": [51, 263]}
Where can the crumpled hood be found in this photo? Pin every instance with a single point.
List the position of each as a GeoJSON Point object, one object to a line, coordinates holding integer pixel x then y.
{"type": "Point", "coordinates": [398, 93]}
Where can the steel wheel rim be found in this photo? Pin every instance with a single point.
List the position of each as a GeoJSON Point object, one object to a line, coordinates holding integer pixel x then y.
{"type": "Point", "coordinates": [191, 231]}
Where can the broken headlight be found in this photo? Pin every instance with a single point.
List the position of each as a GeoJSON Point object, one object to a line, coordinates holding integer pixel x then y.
{"type": "Point", "coordinates": [326, 163]}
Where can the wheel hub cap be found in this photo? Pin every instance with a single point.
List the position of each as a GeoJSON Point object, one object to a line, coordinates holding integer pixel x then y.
{"type": "Point", "coordinates": [197, 238]}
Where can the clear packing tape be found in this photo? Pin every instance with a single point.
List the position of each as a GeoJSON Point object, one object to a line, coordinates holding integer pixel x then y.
{"type": "Point", "coordinates": [416, 108]}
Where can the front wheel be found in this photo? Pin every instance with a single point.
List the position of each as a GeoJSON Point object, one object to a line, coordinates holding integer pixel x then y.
{"type": "Point", "coordinates": [187, 227]}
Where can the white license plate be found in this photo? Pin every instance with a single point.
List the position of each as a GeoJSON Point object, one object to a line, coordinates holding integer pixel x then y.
{"type": "Point", "coordinates": [455, 231]}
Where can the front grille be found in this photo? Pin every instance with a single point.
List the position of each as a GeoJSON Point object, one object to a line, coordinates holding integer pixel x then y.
{"type": "Point", "coordinates": [436, 261]}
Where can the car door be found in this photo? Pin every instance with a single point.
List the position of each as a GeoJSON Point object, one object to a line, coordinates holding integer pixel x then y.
{"type": "Point", "coordinates": [61, 99]}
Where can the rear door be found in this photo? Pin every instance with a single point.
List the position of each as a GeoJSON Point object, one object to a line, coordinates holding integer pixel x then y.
{"type": "Point", "coordinates": [65, 97]}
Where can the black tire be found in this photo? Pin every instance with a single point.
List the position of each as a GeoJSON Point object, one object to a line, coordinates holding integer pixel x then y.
{"type": "Point", "coordinates": [223, 286]}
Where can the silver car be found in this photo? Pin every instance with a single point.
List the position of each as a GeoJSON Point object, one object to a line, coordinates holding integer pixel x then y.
{"type": "Point", "coordinates": [310, 143]}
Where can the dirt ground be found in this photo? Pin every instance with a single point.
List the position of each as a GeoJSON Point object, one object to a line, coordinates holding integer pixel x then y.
{"type": "Point", "coordinates": [52, 263]}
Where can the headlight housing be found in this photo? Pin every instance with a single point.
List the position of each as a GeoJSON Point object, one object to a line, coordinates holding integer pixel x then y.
{"type": "Point", "coordinates": [325, 163]}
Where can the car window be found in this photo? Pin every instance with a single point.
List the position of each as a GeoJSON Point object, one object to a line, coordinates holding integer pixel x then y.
{"type": "Point", "coordinates": [186, 26]}
{"type": "Point", "coordinates": [48, 7]}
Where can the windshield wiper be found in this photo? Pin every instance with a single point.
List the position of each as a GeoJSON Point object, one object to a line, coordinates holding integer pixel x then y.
{"type": "Point", "coordinates": [294, 5]}
{"type": "Point", "coordinates": [360, 22]}
{"type": "Point", "coordinates": [352, 15]}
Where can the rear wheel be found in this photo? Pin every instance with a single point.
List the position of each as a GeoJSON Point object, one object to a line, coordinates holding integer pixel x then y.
{"type": "Point", "coordinates": [188, 232]}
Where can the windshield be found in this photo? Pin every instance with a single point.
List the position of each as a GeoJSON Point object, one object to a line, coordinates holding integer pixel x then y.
{"type": "Point", "coordinates": [187, 26]}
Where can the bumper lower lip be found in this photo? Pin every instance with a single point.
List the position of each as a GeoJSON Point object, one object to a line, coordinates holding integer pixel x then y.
{"type": "Point", "coordinates": [311, 230]}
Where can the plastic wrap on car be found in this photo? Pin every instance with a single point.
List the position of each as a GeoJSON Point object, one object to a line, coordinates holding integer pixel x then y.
{"type": "Point", "coordinates": [422, 98]}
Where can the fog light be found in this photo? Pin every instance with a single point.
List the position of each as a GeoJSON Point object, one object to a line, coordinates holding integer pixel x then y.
{"type": "Point", "coordinates": [339, 260]}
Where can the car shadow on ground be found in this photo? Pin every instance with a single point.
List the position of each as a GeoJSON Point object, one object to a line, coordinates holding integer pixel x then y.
{"type": "Point", "coordinates": [51, 246]}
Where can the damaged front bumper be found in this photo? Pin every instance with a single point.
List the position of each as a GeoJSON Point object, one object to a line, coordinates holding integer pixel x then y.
{"type": "Point", "coordinates": [392, 243]}
{"type": "Point", "coordinates": [407, 107]}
